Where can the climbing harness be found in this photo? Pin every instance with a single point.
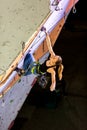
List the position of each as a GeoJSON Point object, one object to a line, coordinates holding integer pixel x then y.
{"type": "Point", "coordinates": [36, 68]}
{"type": "Point", "coordinates": [33, 68]}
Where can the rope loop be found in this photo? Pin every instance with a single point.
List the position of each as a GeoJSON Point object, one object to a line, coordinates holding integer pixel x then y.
{"type": "Point", "coordinates": [74, 9]}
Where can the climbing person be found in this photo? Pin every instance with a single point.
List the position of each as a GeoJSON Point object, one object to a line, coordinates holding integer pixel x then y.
{"type": "Point", "coordinates": [53, 62]}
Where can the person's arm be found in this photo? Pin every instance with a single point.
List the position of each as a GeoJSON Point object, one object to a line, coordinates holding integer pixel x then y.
{"type": "Point", "coordinates": [49, 45]}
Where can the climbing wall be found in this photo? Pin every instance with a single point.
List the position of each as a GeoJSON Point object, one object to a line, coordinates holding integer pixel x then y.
{"type": "Point", "coordinates": [19, 19]}
{"type": "Point", "coordinates": [12, 101]}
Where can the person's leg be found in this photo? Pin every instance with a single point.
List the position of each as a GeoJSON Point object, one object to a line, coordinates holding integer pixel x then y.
{"type": "Point", "coordinates": [60, 70]}
{"type": "Point", "coordinates": [53, 78]}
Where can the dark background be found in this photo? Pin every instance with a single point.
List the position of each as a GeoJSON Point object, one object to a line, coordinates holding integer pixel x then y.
{"type": "Point", "coordinates": [70, 112]}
